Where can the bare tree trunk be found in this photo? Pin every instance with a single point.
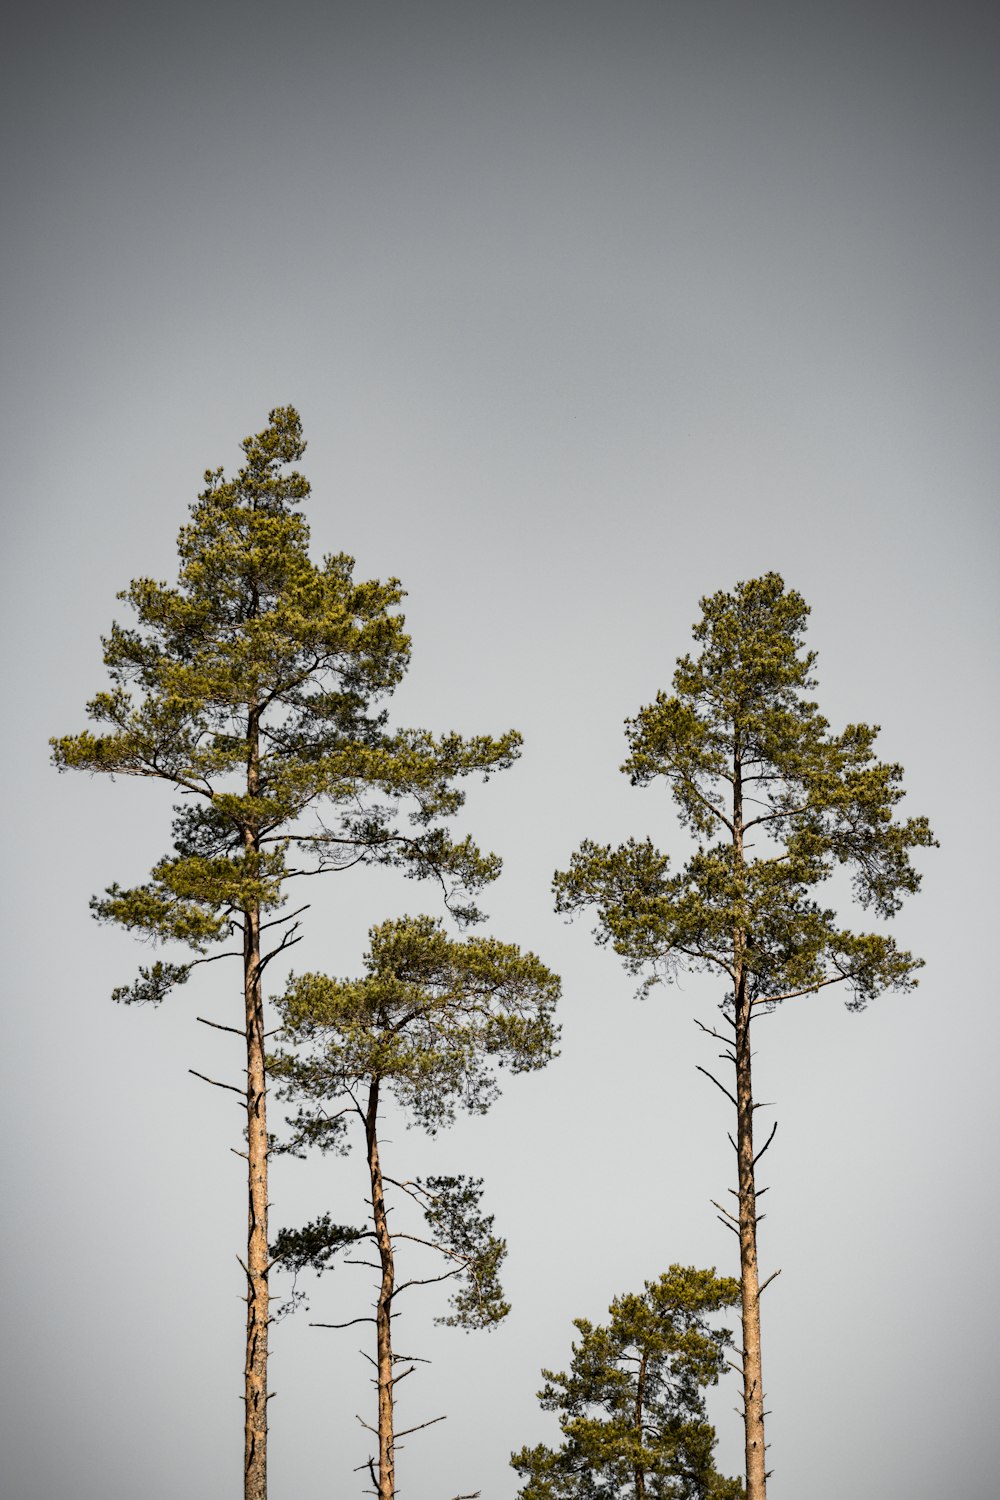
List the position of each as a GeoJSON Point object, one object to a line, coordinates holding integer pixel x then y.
{"type": "Point", "coordinates": [753, 1390]}
{"type": "Point", "coordinates": [383, 1309]}
{"type": "Point", "coordinates": [258, 1315]}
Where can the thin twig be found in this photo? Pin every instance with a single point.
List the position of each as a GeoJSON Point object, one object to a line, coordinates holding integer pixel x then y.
{"type": "Point", "coordinates": [342, 1325]}
{"type": "Point", "coordinates": [763, 1148]}
{"type": "Point", "coordinates": [764, 1285]}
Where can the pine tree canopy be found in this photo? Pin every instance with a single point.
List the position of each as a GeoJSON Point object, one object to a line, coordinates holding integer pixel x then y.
{"type": "Point", "coordinates": [429, 1023]}
{"type": "Point", "coordinates": [632, 1408]}
{"type": "Point", "coordinates": [253, 686]}
{"type": "Point", "coordinates": [431, 1020]}
{"type": "Point", "coordinates": [775, 801]}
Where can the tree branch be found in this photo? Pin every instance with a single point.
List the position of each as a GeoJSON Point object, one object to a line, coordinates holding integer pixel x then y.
{"type": "Point", "coordinates": [236, 1031]}
{"type": "Point", "coordinates": [794, 994]}
{"type": "Point", "coordinates": [420, 1426]}
{"type": "Point", "coordinates": [231, 1087]}
{"type": "Point", "coordinates": [763, 1148]}
{"type": "Point", "coordinates": [764, 1285]}
{"type": "Point", "coordinates": [718, 1085]}
{"type": "Point", "coordinates": [342, 1325]}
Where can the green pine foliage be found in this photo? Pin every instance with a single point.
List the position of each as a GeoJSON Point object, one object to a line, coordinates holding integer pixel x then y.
{"type": "Point", "coordinates": [808, 801]}
{"type": "Point", "coordinates": [256, 644]}
{"type": "Point", "coordinates": [631, 1408]}
{"type": "Point", "coordinates": [430, 1023]}
{"type": "Point", "coordinates": [432, 1020]}
{"type": "Point", "coordinates": [255, 688]}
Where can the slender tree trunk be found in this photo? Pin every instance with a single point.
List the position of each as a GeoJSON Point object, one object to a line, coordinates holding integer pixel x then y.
{"type": "Point", "coordinates": [258, 1316]}
{"type": "Point", "coordinates": [383, 1309]}
{"type": "Point", "coordinates": [639, 1472]}
{"type": "Point", "coordinates": [753, 1390]}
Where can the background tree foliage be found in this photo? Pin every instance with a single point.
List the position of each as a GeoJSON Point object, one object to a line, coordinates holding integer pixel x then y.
{"type": "Point", "coordinates": [776, 804]}
{"type": "Point", "coordinates": [632, 1407]}
{"type": "Point", "coordinates": [252, 688]}
{"type": "Point", "coordinates": [430, 1023]}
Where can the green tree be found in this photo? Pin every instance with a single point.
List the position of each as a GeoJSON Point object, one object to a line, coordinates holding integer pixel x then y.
{"type": "Point", "coordinates": [429, 1024]}
{"type": "Point", "coordinates": [632, 1408]}
{"type": "Point", "coordinates": [252, 689]}
{"type": "Point", "coordinates": [776, 804]}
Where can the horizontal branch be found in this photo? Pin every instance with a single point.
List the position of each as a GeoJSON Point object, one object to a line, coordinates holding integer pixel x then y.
{"type": "Point", "coordinates": [215, 1084]}
{"type": "Point", "coordinates": [342, 1325]}
{"type": "Point", "coordinates": [211, 958]}
{"type": "Point", "coordinates": [236, 1031]}
{"type": "Point", "coordinates": [427, 1280]}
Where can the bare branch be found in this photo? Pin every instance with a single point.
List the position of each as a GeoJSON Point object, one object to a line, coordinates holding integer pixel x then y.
{"type": "Point", "coordinates": [231, 1087]}
{"type": "Point", "coordinates": [763, 1148]}
{"type": "Point", "coordinates": [288, 941]}
{"type": "Point", "coordinates": [211, 958]}
{"type": "Point", "coordinates": [420, 1426]}
{"type": "Point", "coordinates": [236, 1031]}
{"type": "Point", "coordinates": [426, 1280]}
{"type": "Point", "coordinates": [718, 1085]}
{"type": "Point", "coordinates": [732, 1217]}
{"type": "Point", "coordinates": [343, 1325]}
{"type": "Point", "coordinates": [765, 1284]}
{"type": "Point", "coordinates": [290, 917]}
{"type": "Point", "coordinates": [710, 1032]}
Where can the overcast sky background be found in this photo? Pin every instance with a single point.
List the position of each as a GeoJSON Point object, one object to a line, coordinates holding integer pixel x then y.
{"type": "Point", "coordinates": [589, 310]}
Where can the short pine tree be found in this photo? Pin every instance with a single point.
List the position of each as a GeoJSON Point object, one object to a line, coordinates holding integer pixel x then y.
{"type": "Point", "coordinates": [632, 1407]}
{"type": "Point", "coordinates": [428, 1024]}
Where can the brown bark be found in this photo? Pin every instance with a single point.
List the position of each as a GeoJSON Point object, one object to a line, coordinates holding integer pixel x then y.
{"type": "Point", "coordinates": [639, 1472]}
{"type": "Point", "coordinates": [753, 1390]}
{"type": "Point", "coordinates": [258, 1316]}
{"type": "Point", "coordinates": [383, 1307]}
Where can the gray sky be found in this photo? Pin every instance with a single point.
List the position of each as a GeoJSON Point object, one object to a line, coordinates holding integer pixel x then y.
{"type": "Point", "coordinates": [589, 309]}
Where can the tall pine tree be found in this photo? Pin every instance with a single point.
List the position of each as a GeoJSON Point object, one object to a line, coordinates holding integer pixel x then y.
{"type": "Point", "coordinates": [776, 803]}
{"type": "Point", "coordinates": [252, 687]}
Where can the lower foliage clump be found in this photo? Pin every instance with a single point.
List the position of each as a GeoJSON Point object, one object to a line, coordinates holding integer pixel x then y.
{"type": "Point", "coordinates": [632, 1407]}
